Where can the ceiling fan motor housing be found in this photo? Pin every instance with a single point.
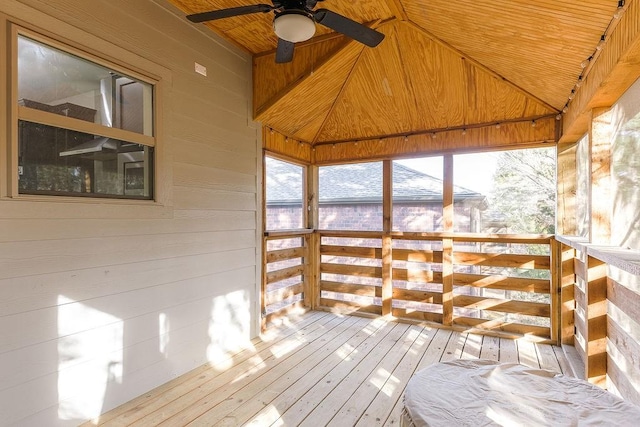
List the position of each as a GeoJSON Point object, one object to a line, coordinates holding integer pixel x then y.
{"type": "Point", "coordinates": [294, 25]}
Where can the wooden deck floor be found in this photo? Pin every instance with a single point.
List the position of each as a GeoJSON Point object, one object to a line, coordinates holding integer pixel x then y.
{"type": "Point", "coordinates": [323, 370]}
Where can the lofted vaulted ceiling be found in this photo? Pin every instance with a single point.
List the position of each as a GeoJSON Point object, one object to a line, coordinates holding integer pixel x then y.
{"type": "Point", "coordinates": [443, 64]}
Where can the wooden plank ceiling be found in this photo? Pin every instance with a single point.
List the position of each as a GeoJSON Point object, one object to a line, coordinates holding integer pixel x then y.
{"type": "Point", "coordinates": [443, 65]}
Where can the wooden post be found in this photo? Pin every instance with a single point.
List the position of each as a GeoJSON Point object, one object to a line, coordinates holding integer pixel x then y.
{"type": "Point", "coordinates": [263, 284]}
{"type": "Point", "coordinates": [596, 322]}
{"type": "Point", "coordinates": [447, 242]}
{"type": "Point", "coordinates": [312, 279]}
{"type": "Point", "coordinates": [387, 256]}
{"type": "Point", "coordinates": [555, 255]}
{"type": "Point", "coordinates": [567, 296]}
{"type": "Point", "coordinates": [600, 193]}
{"type": "Point", "coordinates": [308, 278]}
{"type": "Point", "coordinates": [566, 181]}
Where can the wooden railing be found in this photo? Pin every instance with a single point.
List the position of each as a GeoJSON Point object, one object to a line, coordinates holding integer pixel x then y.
{"type": "Point", "coordinates": [497, 283]}
{"type": "Point", "coordinates": [600, 314]}
{"type": "Point", "coordinates": [286, 277]}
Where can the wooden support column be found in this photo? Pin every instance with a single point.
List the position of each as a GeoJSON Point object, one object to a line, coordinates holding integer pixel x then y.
{"type": "Point", "coordinates": [387, 257]}
{"type": "Point", "coordinates": [263, 281]}
{"type": "Point", "coordinates": [567, 183]}
{"type": "Point", "coordinates": [447, 243]}
{"type": "Point", "coordinates": [596, 322]}
{"type": "Point", "coordinates": [555, 254]}
{"type": "Point", "coordinates": [600, 134]}
{"type": "Point", "coordinates": [567, 294]}
{"type": "Point", "coordinates": [312, 277]}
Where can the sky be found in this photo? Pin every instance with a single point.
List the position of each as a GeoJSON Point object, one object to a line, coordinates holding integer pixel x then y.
{"type": "Point", "coordinates": [472, 171]}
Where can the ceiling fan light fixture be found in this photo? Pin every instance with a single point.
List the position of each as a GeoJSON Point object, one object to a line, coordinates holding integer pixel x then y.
{"type": "Point", "coordinates": [294, 26]}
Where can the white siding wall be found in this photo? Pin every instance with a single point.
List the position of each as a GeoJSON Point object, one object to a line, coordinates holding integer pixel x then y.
{"type": "Point", "coordinates": [100, 302]}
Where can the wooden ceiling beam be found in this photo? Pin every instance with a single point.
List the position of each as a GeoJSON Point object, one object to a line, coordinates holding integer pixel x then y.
{"type": "Point", "coordinates": [481, 66]}
{"type": "Point", "coordinates": [513, 135]}
{"type": "Point", "coordinates": [613, 71]}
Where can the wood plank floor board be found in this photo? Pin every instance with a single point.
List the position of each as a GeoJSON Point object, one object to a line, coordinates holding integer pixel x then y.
{"type": "Point", "coordinates": [547, 358]}
{"type": "Point", "coordinates": [236, 377]}
{"type": "Point", "coordinates": [454, 347]}
{"type": "Point", "coordinates": [343, 389]}
{"type": "Point", "coordinates": [390, 394]}
{"type": "Point", "coordinates": [472, 347]}
{"type": "Point", "coordinates": [509, 351]}
{"type": "Point", "coordinates": [238, 408]}
{"type": "Point", "coordinates": [360, 400]}
{"type": "Point", "coordinates": [490, 348]}
{"type": "Point", "coordinates": [527, 354]}
{"type": "Point", "coordinates": [292, 394]}
{"type": "Point", "coordinates": [564, 364]}
{"type": "Point", "coordinates": [221, 399]}
{"type": "Point", "coordinates": [321, 369]}
{"type": "Point", "coordinates": [168, 392]}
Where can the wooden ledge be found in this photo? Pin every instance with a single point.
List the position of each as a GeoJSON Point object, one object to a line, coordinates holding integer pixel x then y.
{"type": "Point", "coordinates": [625, 259]}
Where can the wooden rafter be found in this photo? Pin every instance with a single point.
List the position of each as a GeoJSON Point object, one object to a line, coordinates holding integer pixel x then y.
{"type": "Point", "coordinates": [612, 73]}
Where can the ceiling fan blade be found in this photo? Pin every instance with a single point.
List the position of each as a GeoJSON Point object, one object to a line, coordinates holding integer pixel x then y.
{"type": "Point", "coordinates": [348, 27]}
{"type": "Point", "coordinates": [284, 52]}
{"type": "Point", "coordinates": [228, 13]}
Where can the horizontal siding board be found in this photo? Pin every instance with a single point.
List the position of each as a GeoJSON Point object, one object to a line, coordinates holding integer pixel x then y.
{"type": "Point", "coordinates": [198, 176]}
{"type": "Point", "coordinates": [29, 258]}
{"type": "Point", "coordinates": [205, 155]}
{"type": "Point", "coordinates": [34, 292]}
{"type": "Point", "coordinates": [31, 327]}
{"type": "Point", "coordinates": [22, 230]}
{"type": "Point", "coordinates": [198, 198]}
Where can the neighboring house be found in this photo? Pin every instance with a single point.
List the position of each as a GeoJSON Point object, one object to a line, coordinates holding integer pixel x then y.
{"type": "Point", "coordinates": [351, 199]}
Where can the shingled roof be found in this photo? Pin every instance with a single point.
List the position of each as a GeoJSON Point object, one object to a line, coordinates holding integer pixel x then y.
{"type": "Point", "coordinates": [357, 183]}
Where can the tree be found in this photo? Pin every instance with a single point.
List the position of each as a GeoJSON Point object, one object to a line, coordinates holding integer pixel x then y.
{"type": "Point", "coordinates": [524, 192]}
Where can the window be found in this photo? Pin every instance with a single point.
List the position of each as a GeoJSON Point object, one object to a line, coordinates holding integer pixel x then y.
{"type": "Point", "coordinates": [583, 180]}
{"type": "Point", "coordinates": [284, 195]}
{"type": "Point", "coordinates": [350, 197]}
{"type": "Point", "coordinates": [505, 192]}
{"type": "Point", "coordinates": [83, 126]}
{"type": "Point", "coordinates": [625, 170]}
{"type": "Point", "coordinates": [417, 194]}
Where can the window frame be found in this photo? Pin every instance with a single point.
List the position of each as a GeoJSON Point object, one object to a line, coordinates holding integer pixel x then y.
{"type": "Point", "coordinates": [305, 189]}
{"type": "Point", "coordinates": [16, 113]}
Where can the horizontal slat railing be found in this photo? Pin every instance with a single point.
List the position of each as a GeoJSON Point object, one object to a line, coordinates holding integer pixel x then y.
{"type": "Point", "coordinates": [502, 283]}
{"type": "Point", "coordinates": [286, 273]}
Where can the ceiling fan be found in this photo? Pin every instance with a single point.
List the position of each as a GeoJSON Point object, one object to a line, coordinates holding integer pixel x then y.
{"type": "Point", "coordinates": [294, 21]}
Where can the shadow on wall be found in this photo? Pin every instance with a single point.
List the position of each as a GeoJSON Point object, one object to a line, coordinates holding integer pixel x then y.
{"type": "Point", "coordinates": [103, 359]}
